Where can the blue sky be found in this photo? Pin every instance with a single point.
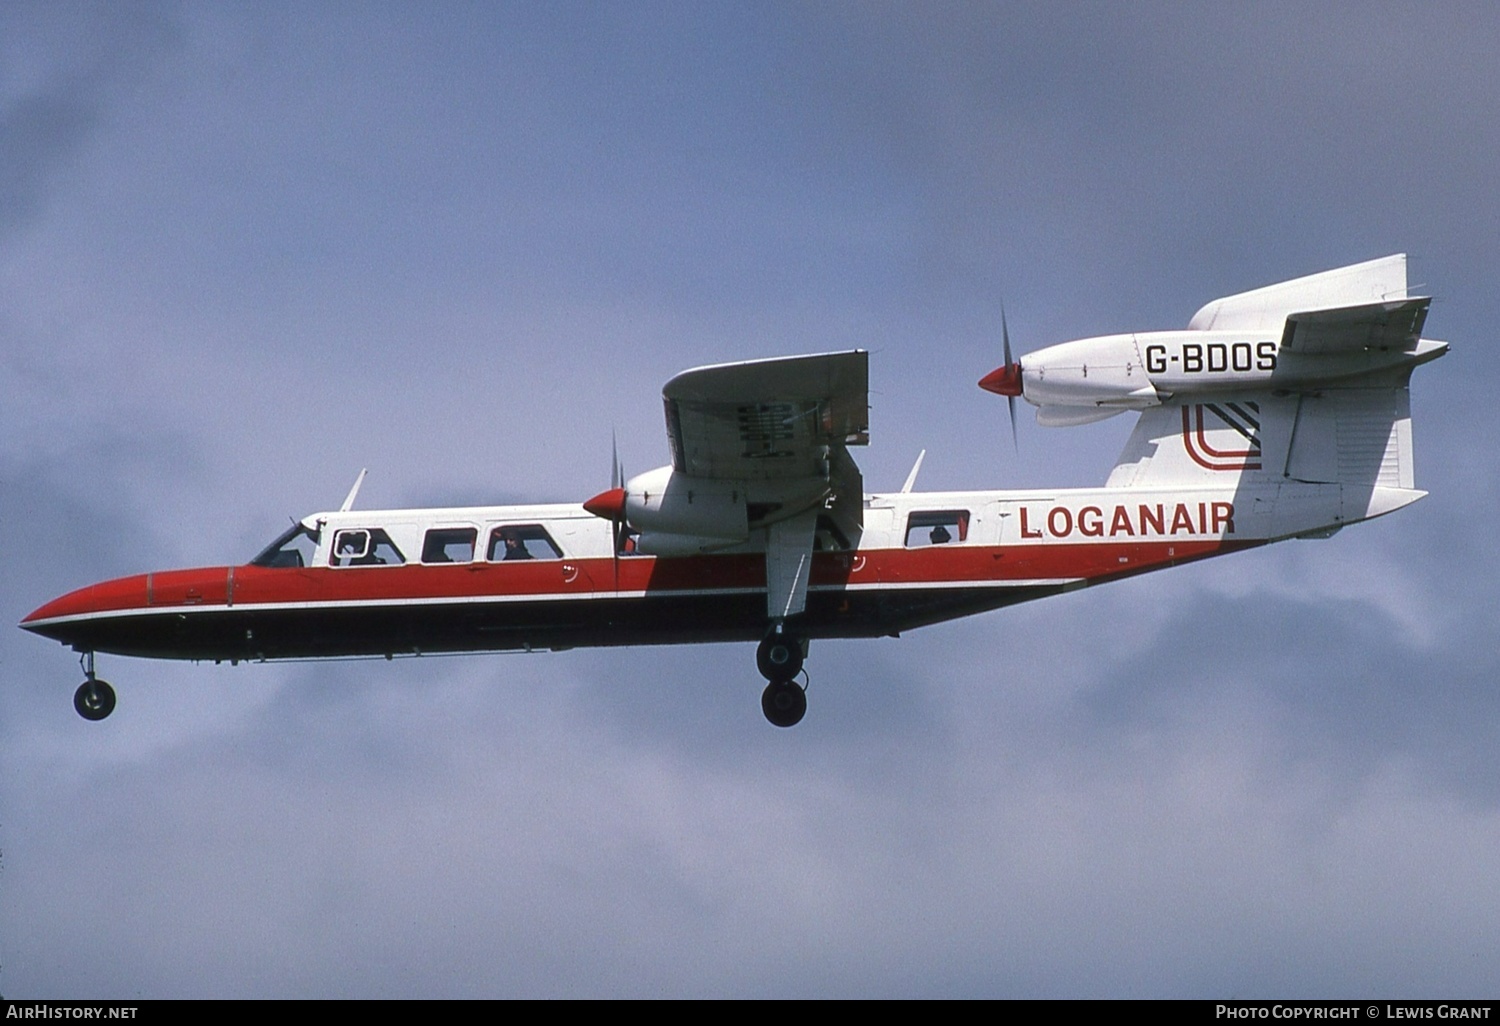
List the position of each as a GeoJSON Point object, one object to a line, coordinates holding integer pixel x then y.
{"type": "Point", "coordinates": [246, 250]}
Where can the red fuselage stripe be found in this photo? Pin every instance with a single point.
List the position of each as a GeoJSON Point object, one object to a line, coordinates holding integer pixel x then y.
{"type": "Point", "coordinates": [933, 566]}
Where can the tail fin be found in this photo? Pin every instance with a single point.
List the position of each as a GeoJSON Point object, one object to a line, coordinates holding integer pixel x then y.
{"type": "Point", "coordinates": [1373, 281]}
{"type": "Point", "coordinates": [1314, 454]}
{"type": "Point", "coordinates": [1310, 462]}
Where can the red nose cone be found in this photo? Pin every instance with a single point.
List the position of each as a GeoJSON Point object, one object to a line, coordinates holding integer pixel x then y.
{"type": "Point", "coordinates": [609, 505]}
{"type": "Point", "coordinates": [1003, 380]}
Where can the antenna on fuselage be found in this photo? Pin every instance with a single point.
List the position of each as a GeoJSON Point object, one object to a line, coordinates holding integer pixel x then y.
{"type": "Point", "coordinates": [911, 478]}
{"type": "Point", "coordinates": [349, 499]}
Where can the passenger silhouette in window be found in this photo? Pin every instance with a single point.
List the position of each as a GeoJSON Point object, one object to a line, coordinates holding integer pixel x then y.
{"type": "Point", "coordinates": [513, 547]}
{"type": "Point", "coordinates": [522, 541]}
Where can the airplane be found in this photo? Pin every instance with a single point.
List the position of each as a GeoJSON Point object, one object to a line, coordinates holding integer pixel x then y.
{"type": "Point", "coordinates": [1282, 412]}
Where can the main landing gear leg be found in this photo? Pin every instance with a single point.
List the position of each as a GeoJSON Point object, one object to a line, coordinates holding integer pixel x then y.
{"type": "Point", "coordinates": [779, 659]}
{"type": "Point", "coordinates": [94, 699]}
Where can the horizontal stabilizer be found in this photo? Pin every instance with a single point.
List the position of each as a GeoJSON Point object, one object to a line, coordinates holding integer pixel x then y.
{"type": "Point", "coordinates": [1395, 325]}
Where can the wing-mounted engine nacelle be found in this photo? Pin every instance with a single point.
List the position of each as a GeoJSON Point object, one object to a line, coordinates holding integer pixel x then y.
{"type": "Point", "coordinates": [663, 502]}
{"type": "Point", "coordinates": [680, 513]}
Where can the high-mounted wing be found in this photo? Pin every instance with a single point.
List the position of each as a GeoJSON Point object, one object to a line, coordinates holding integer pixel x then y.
{"type": "Point", "coordinates": [765, 420]}
{"type": "Point", "coordinates": [756, 446]}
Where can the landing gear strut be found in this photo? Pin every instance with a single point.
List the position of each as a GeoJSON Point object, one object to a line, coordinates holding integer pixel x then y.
{"type": "Point", "coordinates": [94, 699]}
{"type": "Point", "coordinates": [779, 659]}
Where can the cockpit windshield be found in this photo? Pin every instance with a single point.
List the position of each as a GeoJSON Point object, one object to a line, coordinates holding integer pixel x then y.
{"type": "Point", "coordinates": [294, 548]}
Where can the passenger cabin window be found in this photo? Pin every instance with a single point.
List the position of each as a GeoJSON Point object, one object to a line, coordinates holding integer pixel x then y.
{"type": "Point", "coordinates": [294, 548]}
{"type": "Point", "coordinates": [937, 527]}
{"type": "Point", "coordinates": [449, 545]}
{"type": "Point", "coordinates": [365, 547]}
{"type": "Point", "coordinates": [522, 541]}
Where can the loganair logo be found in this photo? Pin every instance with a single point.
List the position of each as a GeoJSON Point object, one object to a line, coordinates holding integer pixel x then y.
{"type": "Point", "coordinates": [1237, 421]}
{"type": "Point", "coordinates": [1133, 520]}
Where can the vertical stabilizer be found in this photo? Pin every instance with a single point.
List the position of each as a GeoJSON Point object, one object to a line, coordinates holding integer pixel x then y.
{"type": "Point", "coordinates": [1296, 463]}
{"type": "Point", "coordinates": [1374, 281]}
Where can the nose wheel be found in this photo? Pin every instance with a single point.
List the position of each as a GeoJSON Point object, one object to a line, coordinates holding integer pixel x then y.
{"type": "Point", "coordinates": [94, 699]}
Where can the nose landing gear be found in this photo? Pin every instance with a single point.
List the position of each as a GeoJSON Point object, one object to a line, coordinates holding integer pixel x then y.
{"type": "Point", "coordinates": [94, 699]}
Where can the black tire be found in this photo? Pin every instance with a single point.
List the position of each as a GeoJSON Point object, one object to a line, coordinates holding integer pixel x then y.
{"type": "Point", "coordinates": [779, 657]}
{"type": "Point", "coordinates": [784, 703]}
{"type": "Point", "coordinates": [94, 699]}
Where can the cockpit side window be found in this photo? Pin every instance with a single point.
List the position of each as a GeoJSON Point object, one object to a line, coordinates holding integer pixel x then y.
{"type": "Point", "coordinates": [937, 527]}
{"type": "Point", "coordinates": [365, 547]}
{"type": "Point", "coordinates": [522, 541]}
{"type": "Point", "coordinates": [294, 548]}
{"type": "Point", "coordinates": [449, 545]}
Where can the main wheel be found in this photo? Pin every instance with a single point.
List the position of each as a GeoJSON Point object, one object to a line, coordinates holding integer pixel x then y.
{"type": "Point", "coordinates": [779, 656]}
{"type": "Point", "coordinates": [784, 703]}
{"type": "Point", "coordinates": [94, 699]}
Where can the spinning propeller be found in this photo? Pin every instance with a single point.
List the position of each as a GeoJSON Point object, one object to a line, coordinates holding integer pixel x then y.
{"type": "Point", "coordinates": [610, 505]}
{"type": "Point", "coordinates": [1006, 380]}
